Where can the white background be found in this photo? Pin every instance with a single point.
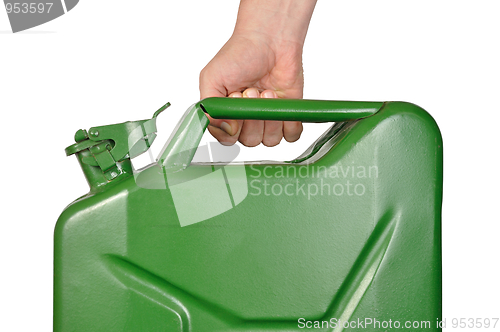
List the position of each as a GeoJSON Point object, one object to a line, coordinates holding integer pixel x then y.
{"type": "Point", "coordinates": [111, 61]}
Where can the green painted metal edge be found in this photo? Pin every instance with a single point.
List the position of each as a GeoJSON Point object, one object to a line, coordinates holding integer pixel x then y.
{"type": "Point", "coordinates": [305, 110]}
{"type": "Point", "coordinates": [180, 148]}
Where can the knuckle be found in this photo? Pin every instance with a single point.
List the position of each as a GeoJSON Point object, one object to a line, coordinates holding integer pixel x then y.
{"type": "Point", "coordinates": [227, 141]}
{"type": "Point", "coordinates": [292, 137]}
{"type": "Point", "coordinates": [292, 131]}
{"type": "Point", "coordinates": [250, 140]}
{"type": "Point", "coordinates": [203, 74]}
{"type": "Point", "coordinates": [271, 142]}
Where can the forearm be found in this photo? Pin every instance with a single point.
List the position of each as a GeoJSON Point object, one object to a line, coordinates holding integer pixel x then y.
{"type": "Point", "coordinates": [280, 21]}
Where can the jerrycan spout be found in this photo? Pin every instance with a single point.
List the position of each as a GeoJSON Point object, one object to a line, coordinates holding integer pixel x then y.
{"type": "Point", "coordinates": [104, 152]}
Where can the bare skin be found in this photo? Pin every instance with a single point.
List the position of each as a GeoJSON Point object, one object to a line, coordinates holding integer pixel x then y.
{"type": "Point", "coordinates": [262, 59]}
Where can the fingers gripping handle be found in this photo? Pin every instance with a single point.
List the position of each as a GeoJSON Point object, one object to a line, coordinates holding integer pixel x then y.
{"type": "Point", "coordinates": [303, 110]}
{"type": "Point", "coordinates": [179, 150]}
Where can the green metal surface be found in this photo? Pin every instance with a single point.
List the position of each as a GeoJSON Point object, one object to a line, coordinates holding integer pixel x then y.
{"type": "Point", "coordinates": [288, 109]}
{"type": "Point", "coordinates": [153, 251]}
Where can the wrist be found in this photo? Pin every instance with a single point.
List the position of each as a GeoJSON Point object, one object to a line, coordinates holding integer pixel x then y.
{"type": "Point", "coordinates": [275, 22]}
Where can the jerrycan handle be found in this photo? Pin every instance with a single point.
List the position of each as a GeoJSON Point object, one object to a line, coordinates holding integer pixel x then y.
{"type": "Point", "coordinates": [304, 110]}
{"type": "Point", "coordinates": [179, 150]}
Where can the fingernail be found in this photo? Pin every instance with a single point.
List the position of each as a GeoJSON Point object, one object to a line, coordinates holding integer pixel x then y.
{"type": "Point", "coordinates": [227, 128]}
{"type": "Point", "coordinates": [235, 95]}
{"type": "Point", "coordinates": [269, 94]}
{"type": "Point", "coordinates": [252, 93]}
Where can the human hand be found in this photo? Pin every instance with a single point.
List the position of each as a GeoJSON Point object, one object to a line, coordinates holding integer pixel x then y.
{"type": "Point", "coordinates": [263, 58]}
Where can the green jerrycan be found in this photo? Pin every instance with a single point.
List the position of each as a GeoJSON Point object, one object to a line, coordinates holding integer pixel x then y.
{"type": "Point", "coordinates": [346, 237]}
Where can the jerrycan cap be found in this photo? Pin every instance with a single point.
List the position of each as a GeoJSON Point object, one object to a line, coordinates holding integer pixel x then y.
{"type": "Point", "coordinates": [112, 144]}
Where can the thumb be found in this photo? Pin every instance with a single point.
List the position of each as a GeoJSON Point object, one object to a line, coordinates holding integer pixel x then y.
{"type": "Point", "coordinates": [207, 89]}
